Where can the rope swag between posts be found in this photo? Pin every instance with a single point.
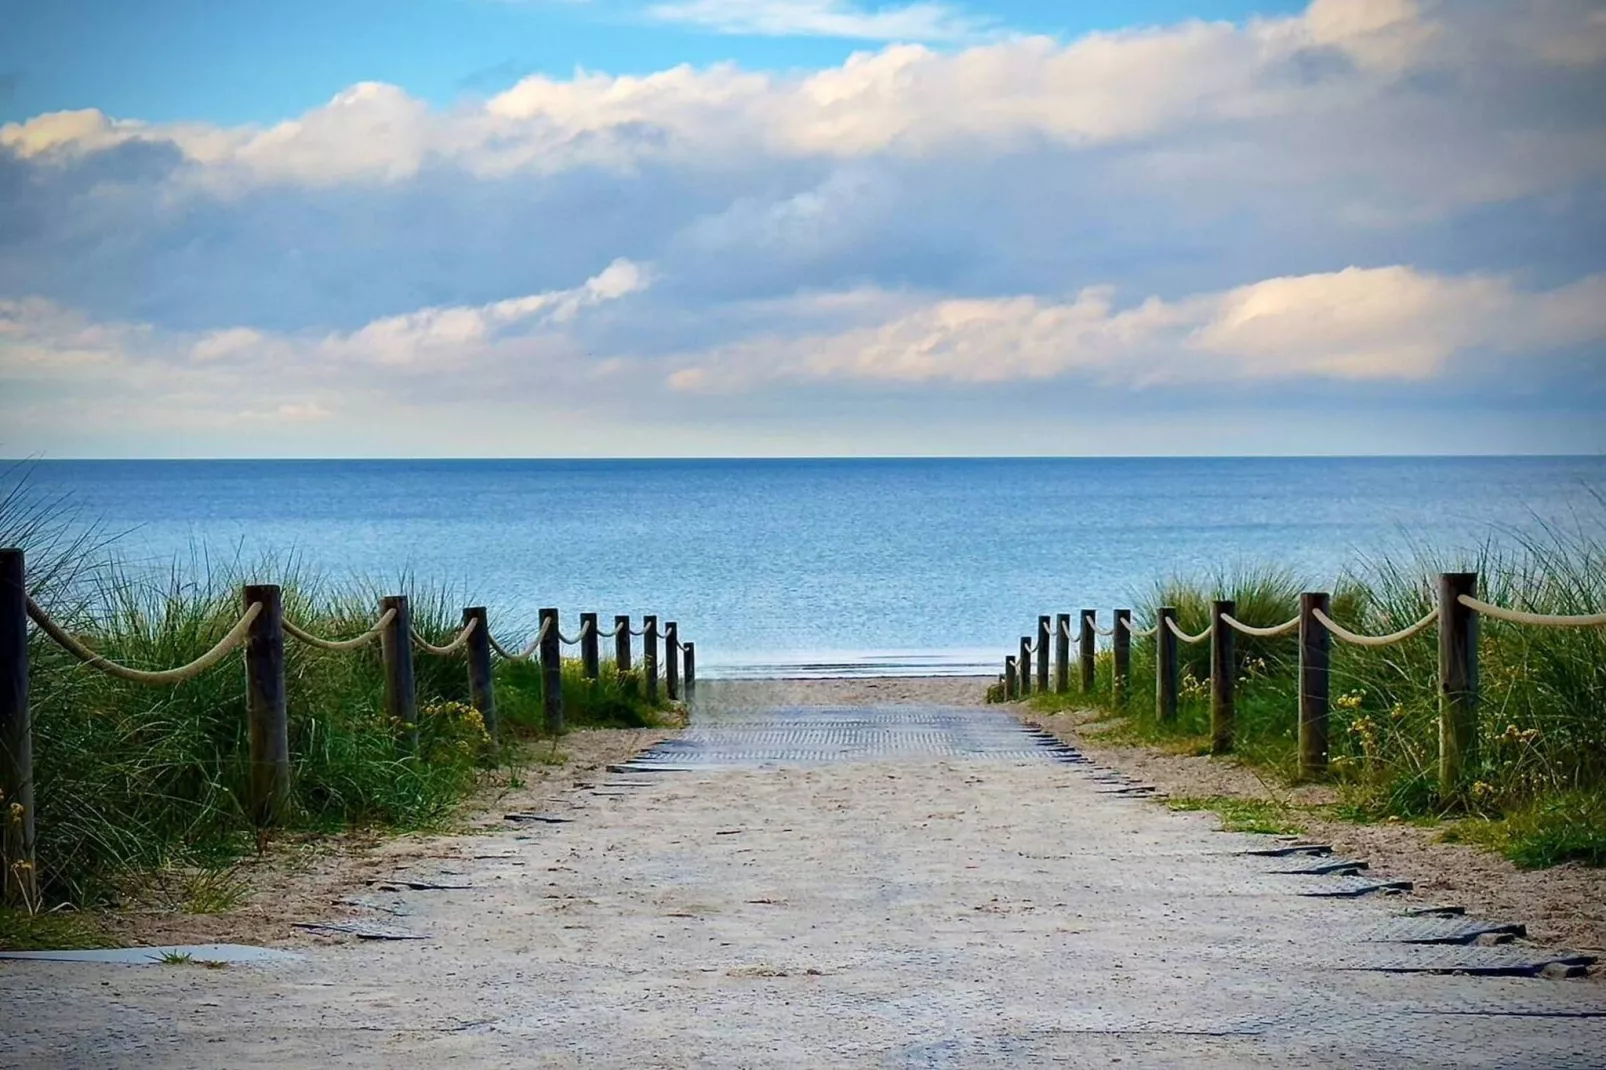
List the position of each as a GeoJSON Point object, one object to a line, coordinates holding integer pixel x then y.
{"type": "Point", "coordinates": [1456, 616]}
{"type": "Point", "coordinates": [259, 635]}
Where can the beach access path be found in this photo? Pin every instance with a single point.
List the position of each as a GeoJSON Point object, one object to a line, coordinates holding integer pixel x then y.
{"type": "Point", "coordinates": [910, 884]}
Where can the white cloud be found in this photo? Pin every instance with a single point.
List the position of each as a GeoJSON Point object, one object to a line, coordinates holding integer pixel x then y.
{"type": "Point", "coordinates": [825, 18]}
{"type": "Point", "coordinates": [450, 335]}
{"type": "Point", "coordinates": [1103, 88]}
{"type": "Point", "coordinates": [989, 213]}
{"type": "Point", "coordinates": [1360, 324]}
{"type": "Point", "coordinates": [220, 345]}
{"type": "Point", "coordinates": [195, 379]}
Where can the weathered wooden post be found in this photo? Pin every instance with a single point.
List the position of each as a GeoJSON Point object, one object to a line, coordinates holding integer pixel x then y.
{"type": "Point", "coordinates": [1042, 652]}
{"type": "Point", "coordinates": [1087, 649]}
{"type": "Point", "coordinates": [396, 649]}
{"type": "Point", "coordinates": [1314, 684]}
{"type": "Point", "coordinates": [1023, 666]}
{"type": "Point", "coordinates": [1166, 679]}
{"type": "Point", "coordinates": [1458, 680]}
{"type": "Point", "coordinates": [690, 668]}
{"type": "Point", "coordinates": [649, 655]}
{"type": "Point", "coordinates": [266, 711]}
{"type": "Point", "coordinates": [1121, 641]}
{"type": "Point", "coordinates": [481, 689]}
{"type": "Point", "coordinates": [671, 660]}
{"type": "Point", "coordinates": [589, 656]}
{"type": "Point", "coordinates": [1062, 653]}
{"type": "Point", "coordinates": [551, 673]}
{"type": "Point", "coordinates": [20, 880]}
{"type": "Point", "coordinates": [1223, 677]}
{"type": "Point", "coordinates": [621, 643]}
{"type": "Point", "coordinates": [1009, 678]}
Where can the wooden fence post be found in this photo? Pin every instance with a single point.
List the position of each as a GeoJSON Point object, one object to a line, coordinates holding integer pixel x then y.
{"type": "Point", "coordinates": [1121, 641]}
{"type": "Point", "coordinates": [690, 652]}
{"type": "Point", "coordinates": [1087, 649]}
{"type": "Point", "coordinates": [396, 649]}
{"type": "Point", "coordinates": [589, 657]}
{"type": "Point", "coordinates": [621, 644]}
{"type": "Point", "coordinates": [19, 880]}
{"type": "Point", "coordinates": [672, 660]}
{"type": "Point", "coordinates": [1165, 665]}
{"type": "Point", "coordinates": [1458, 680]}
{"type": "Point", "coordinates": [1042, 652]}
{"type": "Point", "coordinates": [1009, 678]}
{"type": "Point", "coordinates": [1223, 677]}
{"type": "Point", "coordinates": [267, 713]}
{"type": "Point", "coordinates": [649, 655]}
{"type": "Point", "coordinates": [1023, 666]}
{"type": "Point", "coordinates": [551, 673]}
{"type": "Point", "coordinates": [1314, 684]}
{"type": "Point", "coordinates": [481, 686]}
{"type": "Point", "coordinates": [1062, 653]}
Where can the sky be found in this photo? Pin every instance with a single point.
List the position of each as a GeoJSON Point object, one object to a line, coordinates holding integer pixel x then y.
{"type": "Point", "coordinates": [801, 227]}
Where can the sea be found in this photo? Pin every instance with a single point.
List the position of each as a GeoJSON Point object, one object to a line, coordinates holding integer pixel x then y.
{"type": "Point", "coordinates": [813, 567]}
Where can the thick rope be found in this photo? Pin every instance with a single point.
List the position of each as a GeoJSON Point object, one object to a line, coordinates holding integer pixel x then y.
{"type": "Point", "coordinates": [1106, 632]}
{"type": "Point", "coordinates": [526, 653]}
{"type": "Point", "coordinates": [1265, 633]}
{"type": "Point", "coordinates": [224, 647]}
{"type": "Point", "coordinates": [584, 628]}
{"type": "Point", "coordinates": [450, 648]}
{"type": "Point", "coordinates": [502, 652]}
{"type": "Point", "coordinates": [1348, 636]}
{"type": "Point", "coordinates": [612, 634]}
{"type": "Point", "coordinates": [1518, 616]}
{"type": "Point", "coordinates": [338, 645]}
{"type": "Point", "coordinates": [1184, 636]}
{"type": "Point", "coordinates": [1139, 633]}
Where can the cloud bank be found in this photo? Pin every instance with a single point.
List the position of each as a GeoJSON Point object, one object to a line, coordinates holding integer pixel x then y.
{"type": "Point", "coordinates": [1382, 203]}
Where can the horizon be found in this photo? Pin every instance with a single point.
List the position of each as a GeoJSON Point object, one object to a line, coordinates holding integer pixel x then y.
{"type": "Point", "coordinates": [810, 228]}
{"type": "Point", "coordinates": [668, 459]}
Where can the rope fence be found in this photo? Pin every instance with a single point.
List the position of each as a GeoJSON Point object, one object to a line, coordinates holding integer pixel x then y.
{"type": "Point", "coordinates": [225, 646]}
{"type": "Point", "coordinates": [1355, 639]}
{"type": "Point", "coordinates": [340, 646]}
{"type": "Point", "coordinates": [259, 635]}
{"type": "Point", "coordinates": [1456, 616]}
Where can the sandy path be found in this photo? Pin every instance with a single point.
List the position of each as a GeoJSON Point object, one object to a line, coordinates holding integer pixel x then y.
{"type": "Point", "coordinates": [913, 913]}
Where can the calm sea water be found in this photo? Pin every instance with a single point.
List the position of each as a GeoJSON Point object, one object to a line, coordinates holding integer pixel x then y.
{"type": "Point", "coordinates": [817, 566]}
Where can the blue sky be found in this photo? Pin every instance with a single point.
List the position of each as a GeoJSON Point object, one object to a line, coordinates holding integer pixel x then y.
{"type": "Point", "coordinates": [756, 227]}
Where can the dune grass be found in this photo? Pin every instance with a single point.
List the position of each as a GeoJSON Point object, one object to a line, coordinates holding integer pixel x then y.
{"type": "Point", "coordinates": [1537, 789]}
{"type": "Point", "coordinates": [131, 779]}
{"type": "Point", "coordinates": [134, 783]}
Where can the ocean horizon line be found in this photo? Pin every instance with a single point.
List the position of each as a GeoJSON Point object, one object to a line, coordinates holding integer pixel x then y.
{"type": "Point", "coordinates": [804, 458]}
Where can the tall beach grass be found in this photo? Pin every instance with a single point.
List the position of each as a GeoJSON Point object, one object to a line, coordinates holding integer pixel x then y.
{"type": "Point", "coordinates": [1538, 786]}
{"type": "Point", "coordinates": [133, 780]}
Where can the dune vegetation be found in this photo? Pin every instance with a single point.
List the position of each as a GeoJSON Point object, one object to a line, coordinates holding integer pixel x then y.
{"type": "Point", "coordinates": [1537, 791]}
{"type": "Point", "coordinates": [133, 780]}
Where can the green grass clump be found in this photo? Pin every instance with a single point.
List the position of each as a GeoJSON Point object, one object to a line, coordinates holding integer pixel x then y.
{"type": "Point", "coordinates": [1567, 827]}
{"type": "Point", "coordinates": [1243, 815]}
{"type": "Point", "coordinates": [1540, 770]}
{"type": "Point", "coordinates": [613, 700]}
{"type": "Point", "coordinates": [141, 779]}
{"type": "Point", "coordinates": [24, 930]}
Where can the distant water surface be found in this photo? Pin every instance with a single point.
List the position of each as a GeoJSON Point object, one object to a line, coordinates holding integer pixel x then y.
{"type": "Point", "coordinates": [817, 566]}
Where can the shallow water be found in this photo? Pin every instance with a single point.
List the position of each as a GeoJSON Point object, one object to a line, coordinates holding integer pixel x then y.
{"type": "Point", "coordinates": [823, 567]}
